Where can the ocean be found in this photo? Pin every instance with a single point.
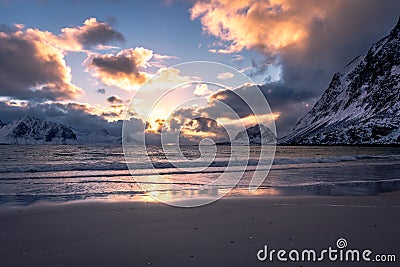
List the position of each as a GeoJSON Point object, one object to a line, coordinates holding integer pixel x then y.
{"type": "Point", "coordinates": [29, 174]}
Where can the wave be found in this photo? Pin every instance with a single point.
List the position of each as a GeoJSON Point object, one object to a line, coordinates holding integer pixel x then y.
{"type": "Point", "coordinates": [119, 166]}
{"type": "Point", "coordinates": [284, 161]}
{"type": "Point", "coordinates": [63, 167]}
{"type": "Point", "coordinates": [127, 174]}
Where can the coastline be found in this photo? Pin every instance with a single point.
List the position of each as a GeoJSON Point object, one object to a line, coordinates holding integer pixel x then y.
{"type": "Point", "coordinates": [228, 232]}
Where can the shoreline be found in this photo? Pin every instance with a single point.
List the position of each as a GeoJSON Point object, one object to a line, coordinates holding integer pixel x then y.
{"type": "Point", "coordinates": [272, 199]}
{"type": "Point", "coordinates": [322, 190]}
{"type": "Point", "coordinates": [228, 232]}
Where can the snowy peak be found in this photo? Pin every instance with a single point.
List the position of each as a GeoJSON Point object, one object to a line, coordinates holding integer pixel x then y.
{"type": "Point", "coordinates": [30, 130]}
{"type": "Point", "coordinates": [98, 137]}
{"type": "Point", "coordinates": [256, 135]}
{"type": "Point", "coordinates": [361, 104]}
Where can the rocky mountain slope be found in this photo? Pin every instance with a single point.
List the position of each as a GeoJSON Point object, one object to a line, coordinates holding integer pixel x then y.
{"type": "Point", "coordinates": [30, 130]}
{"type": "Point", "coordinates": [361, 104]}
{"type": "Point", "coordinates": [256, 135]}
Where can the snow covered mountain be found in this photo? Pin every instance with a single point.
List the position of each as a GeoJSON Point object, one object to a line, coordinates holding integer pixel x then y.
{"type": "Point", "coordinates": [361, 104]}
{"type": "Point", "coordinates": [255, 135]}
{"type": "Point", "coordinates": [98, 137]}
{"type": "Point", "coordinates": [30, 130]}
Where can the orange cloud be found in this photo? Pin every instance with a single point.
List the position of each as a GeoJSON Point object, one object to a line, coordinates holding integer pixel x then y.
{"type": "Point", "coordinates": [266, 26]}
{"type": "Point", "coordinates": [124, 69]}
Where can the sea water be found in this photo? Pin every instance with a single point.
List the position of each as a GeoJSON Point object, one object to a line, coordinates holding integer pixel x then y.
{"type": "Point", "coordinates": [62, 173]}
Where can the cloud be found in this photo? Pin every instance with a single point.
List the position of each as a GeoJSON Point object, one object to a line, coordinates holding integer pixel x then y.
{"type": "Point", "coordinates": [260, 25]}
{"type": "Point", "coordinates": [287, 104]}
{"type": "Point", "coordinates": [115, 99]}
{"type": "Point", "coordinates": [225, 75]}
{"type": "Point", "coordinates": [129, 68]}
{"type": "Point", "coordinates": [92, 34]}
{"type": "Point", "coordinates": [32, 64]}
{"type": "Point", "coordinates": [194, 126]}
{"type": "Point", "coordinates": [34, 76]}
{"type": "Point", "coordinates": [81, 117]}
{"type": "Point", "coordinates": [307, 40]}
{"type": "Point", "coordinates": [226, 110]}
{"type": "Point", "coordinates": [124, 69]}
{"type": "Point", "coordinates": [30, 68]}
{"type": "Point", "coordinates": [199, 128]}
{"type": "Point", "coordinates": [237, 58]}
{"type": "Point", "coordinates": [202, 90]}
{"type": "Point", "coordinates": [164, 57]}
{"type": "Point", "coordinates": [113, 112]}
{"type": "Point", "coordinates": [101, 91]}
{"type": "Point", "coordinates": [216, 107]}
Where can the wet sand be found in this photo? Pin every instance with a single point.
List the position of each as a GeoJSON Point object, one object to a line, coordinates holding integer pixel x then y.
{"type": "Point", "coordinates": [229, 232]}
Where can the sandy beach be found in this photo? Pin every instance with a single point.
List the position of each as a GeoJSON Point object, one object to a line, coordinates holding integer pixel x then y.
{"type": "Point", "coordinates": [229, 232]}
{"type": "Point", "coordinates": [199, 133]}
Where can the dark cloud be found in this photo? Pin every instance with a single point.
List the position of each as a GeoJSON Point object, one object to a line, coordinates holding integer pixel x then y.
{"type": "Point", "coordinates": [92, 33]}
{"type": "Point", "coordinates": [114, 99]}
{"type": "Point", "coordinates": [289, 102]}
{"type": "Point", "coordinates": [115, 64]}
{"type": "Point", "coordinates": [101, 91]}
{"type": "Point", "coordinates": [101, 33]}
{"type": "Point", "coordinates": [124, 69]}
{"type": "Point", "coordinates": [32, 69]}
{"type": "Point", "coordinates": [230, 98]}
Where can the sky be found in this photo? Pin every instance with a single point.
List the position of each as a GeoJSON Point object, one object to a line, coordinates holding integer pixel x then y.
{"type": "Point", "coordinates": [84, 63]}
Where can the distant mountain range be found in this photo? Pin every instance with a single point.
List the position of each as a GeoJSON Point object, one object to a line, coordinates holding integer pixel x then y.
{"type": "Point", "coordinates": [256, 135]}
{"type": "Point", "coordinates": [361, 104]}
{"type": "Point", "coordinates": [31, 130]}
